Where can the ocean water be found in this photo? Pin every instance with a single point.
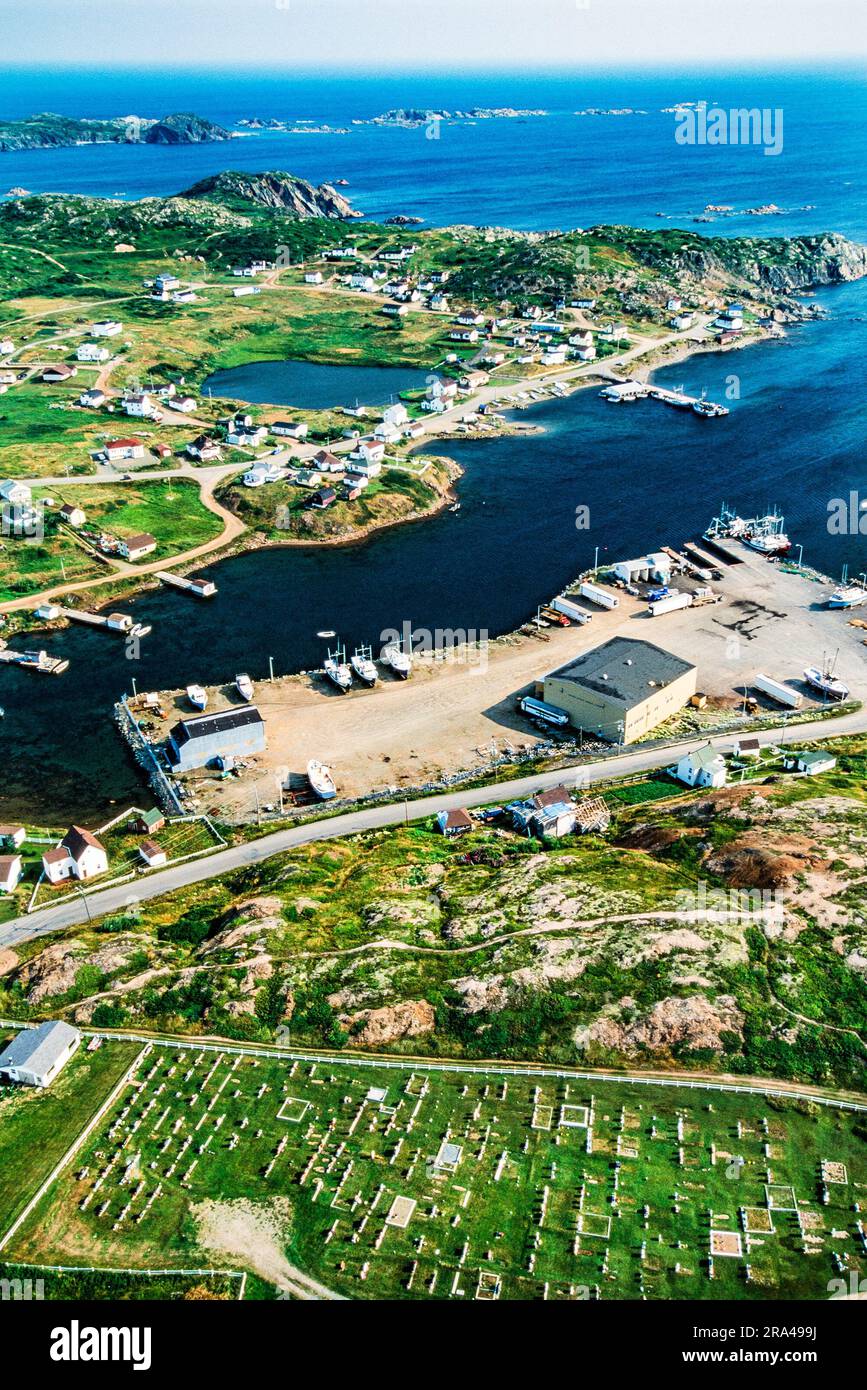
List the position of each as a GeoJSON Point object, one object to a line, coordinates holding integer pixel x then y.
{"type": "Point", "coordinates": [561, 170]}
{"type": "Point", "coordinates": [795, 436]}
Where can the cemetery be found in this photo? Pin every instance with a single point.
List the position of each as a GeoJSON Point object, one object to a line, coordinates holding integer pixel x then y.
{"type": "Point", "coordinates": [405, 1180]}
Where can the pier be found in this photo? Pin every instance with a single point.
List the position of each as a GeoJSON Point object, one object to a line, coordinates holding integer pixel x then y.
{"type": "Point", "coordinates": [114, 622]}
{"type": "Point", "coordinates": [35, 661]}
{"type": "Point", "coordinates": [622, 392]}
{"type": "Point", "coordinates": [197, 586]}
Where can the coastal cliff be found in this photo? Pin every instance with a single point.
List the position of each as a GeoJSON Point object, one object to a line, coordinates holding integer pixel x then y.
{"type": "Point", "coordinates": [274, 189]}
{"type": "Point", "coordinates": [50, 131]}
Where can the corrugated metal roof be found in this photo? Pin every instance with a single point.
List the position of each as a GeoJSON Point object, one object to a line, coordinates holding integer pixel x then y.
{"type": "Point", "coordinates": [38, 1049]}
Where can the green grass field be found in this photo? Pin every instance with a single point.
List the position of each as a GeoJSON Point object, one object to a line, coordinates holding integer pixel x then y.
{"type": "Point", "coordinates": [37, 1127]}
{"type": "Point", "coordinates": [561, 1187]}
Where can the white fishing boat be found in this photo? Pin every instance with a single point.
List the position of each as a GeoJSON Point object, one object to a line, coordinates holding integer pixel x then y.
{"type": "Point", "coordinates": [824, 679]}
{"type": "Point", "coordinates": [363, 666]}
{"type": "Point", "coordinates": [337, 671]}
{"type": "Point", "coordinates": [321, 781]}
{"type": "Point", "coordinates": [848, 596]}
{"type": "Point", "coordinates": [197, 696]}
{"type": "Point", "coordinates": [141, 630]}
{"type": "Point", "coordinates": [244, 687]}
{"type": "Point", "coordinates": [398, 661]}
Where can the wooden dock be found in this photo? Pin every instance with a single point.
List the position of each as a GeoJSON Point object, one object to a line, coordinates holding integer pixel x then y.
{"type": "Point", "coordinates": [622, 392]}
{"type": "Point", "coordinates": [197, 586]}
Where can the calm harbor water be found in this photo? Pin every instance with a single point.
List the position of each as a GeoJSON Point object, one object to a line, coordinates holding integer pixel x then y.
{"type": "Point", "coordinates": [649, 475]}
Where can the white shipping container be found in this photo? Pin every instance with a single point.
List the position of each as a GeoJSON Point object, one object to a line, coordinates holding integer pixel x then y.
{"type": "Point", "coordinates": [783, 694]}
{"type": "Point", "coordinates": [670, 604]}
{"type": "Point", "coordinates": [570, 610]}
{"type": "Point", "coordinates": [596, 594]}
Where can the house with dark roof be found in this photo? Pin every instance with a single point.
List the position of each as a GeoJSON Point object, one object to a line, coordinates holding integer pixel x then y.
{"type": "Point", "coordinates": [622, 689]}
{"type": "Point", "coordinates": [79, 855]}
{"type": "Point", "coordinates": [201, 740]}
{"type": "Point", "coordinates": [454, 822]}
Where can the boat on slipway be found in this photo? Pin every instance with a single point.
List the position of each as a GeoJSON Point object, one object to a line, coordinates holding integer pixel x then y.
{"type": "Point", "coordinates": [197, 696]}
{"type": "Point", "coordinates": [337, 671]}
{"type": "Point", "coordinates": [321, 780]}
{"type": "Point", "coordinates": [363, 666]}
{"type": "Point", "coordinates": [397, 660]}
{"type": "Point", "coordinates": [244, 687]}
{"type": "Point", "coordinates": [825, 680]}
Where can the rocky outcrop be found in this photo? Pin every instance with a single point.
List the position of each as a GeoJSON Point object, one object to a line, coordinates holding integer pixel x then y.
{"type": "Point", "coordinates": [378, 1027]}
{"type": "Point", "coordinates": [695, 1022]}
{"type": "Point", "coordinates": [277, 190]}
{"type": "Point", "coordinates": [52, 972]}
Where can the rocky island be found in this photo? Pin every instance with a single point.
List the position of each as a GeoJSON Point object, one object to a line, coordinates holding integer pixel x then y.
{"type": "Point", "coordinates": [51, 131]}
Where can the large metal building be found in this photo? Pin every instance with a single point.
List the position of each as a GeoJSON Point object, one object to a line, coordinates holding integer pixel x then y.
{"type": "Point", "coordinates": [229, 733]}
{"type": "Point", "coordinates": [621, 690]}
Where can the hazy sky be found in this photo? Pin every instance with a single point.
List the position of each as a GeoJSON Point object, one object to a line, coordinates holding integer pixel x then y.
{"type": "Point", "coordinates": [380, 34]}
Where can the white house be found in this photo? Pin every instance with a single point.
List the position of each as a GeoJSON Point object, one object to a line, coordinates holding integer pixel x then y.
{"type": "Point", "coordinates": [395, 415]}
{"type": "Point", "coordinates": [386, 433]}
{"type": "Point", "coordinates": [313, 277]}
{"type": "Point", "coordinates": [704, 767]}
{"type": "Point", "coordinates": [13, 836]}
{"type": "Point", "coordinates": [10, 872]}
{"type": "Point", "coordinates": [246, 437]}
{"type": "Point", "coordinates": [185, 404]}
{"type": "Point", "coordinates": [261, 473]}
{"type": "Point", "coordinates": [35, 1056]}
{"type": "Point", "coordinates": [92, 352]}
{"type": "Point", "coordinates": [79, 855]}
{"type": "Point", "coordinates": [184, 297]}
{"type": "Point", "coordinates": [72, 515]}
{"type": "Point", "coordinates": [362, 282]}
{"type": "Point", "coordinates": [139, 405]}
{"type": "Point", "coordinates": [674, 304]}
{"type": "Point", "coordinates": [812, 763]}
{"type": "Point", "coordinates": [587, 354]}
{"type": "Point", "coordinates": [464, 335]}
{"type": "Point", "coordinates": [288, 430]}
{"type": "Point", "coordinates": [137, 546]}
{"type": "Point", "coordinates": [553, 357]}
{"type": "Point", "coordinates": [683, 320]}
{"type": "Point", "coordinates": [6, 346]}
{"type": "Point", "coordinates": [167, 281]}
{"type": "Point", "coordinates": [747, 748]}
{"type": "Point", "coordinates": [117, 449]}
{"type": "Point", "coordinates": [372, 451]}
{"type": "Point", "coordinates": [92, 399]}
{"type": "Point", "coordinates": [106, 328]}
{"type": "Point", "coordinates": [583, 338]}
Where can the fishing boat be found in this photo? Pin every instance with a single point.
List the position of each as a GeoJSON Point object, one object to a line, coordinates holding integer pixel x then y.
{"type": "Point", "coordinates": [337, 671]}
{"type": "Point", "coordinates": [363, 666]}
{"type": "Point", "coordinates": [197, 696]}
{"type": "Point", "coordinates": [455, 507]}
{"type": "Point", "coordinates": [141, 630]}
{"type": "Point", "coordinates": [709, 410]}
{"type": "Point", "coordinates": [321, 781]}
{"type": "Point", "coordinates": [848, 596]}
{"type": "Point", "coordinates": [397, 660]}
{"type": "Point", "coordinates": [244, 687]}
{"type": "Point", "coordinates": [766, 535]}
{"type": "Point", "coordinates": [825, 680]}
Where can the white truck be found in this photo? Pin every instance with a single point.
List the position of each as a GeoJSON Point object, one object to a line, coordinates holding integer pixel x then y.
{"type": "Point", "coordinates": [776, 690]}
{"type": "Point", "coordinates": [596, 594]}
{"type": "Point", "coordinates": [570, 609]}
{"type": "Point", "coordinates": [670, 604]}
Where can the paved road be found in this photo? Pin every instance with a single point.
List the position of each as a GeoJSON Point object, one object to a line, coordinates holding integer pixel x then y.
{"type": "Point", "coordinates": [69, 914]}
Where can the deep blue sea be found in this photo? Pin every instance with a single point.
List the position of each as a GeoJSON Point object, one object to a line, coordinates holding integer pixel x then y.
{"type": "Point", "coordinates": [795, 436]}
{"type": "Point", "coordinates": [561, 170]}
